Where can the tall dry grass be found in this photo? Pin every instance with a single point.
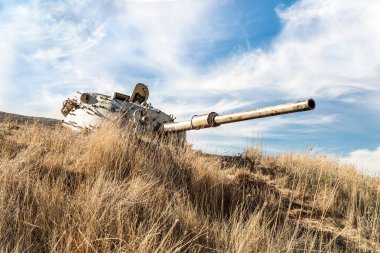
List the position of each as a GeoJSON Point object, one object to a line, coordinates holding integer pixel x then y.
{"type": "Point", "coordinates": [109, 191]}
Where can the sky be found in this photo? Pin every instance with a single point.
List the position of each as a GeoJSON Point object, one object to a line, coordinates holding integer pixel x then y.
{"type": "Point", "coordinates": [208, 55]}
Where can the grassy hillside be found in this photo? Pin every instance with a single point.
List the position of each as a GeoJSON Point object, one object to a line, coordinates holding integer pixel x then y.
{"type": "Point", "coordinates": [107, 190]}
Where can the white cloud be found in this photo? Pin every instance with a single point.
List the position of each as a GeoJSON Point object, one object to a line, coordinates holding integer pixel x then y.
{"type": "Point", "coordinates": [149, 1]}
{"type": "Point", "coordinates": [367, 161]}
{"type": "Point", "coordinates": [57, 48]}
{"type": "Point", "coordinates": [326, 48]}
{"type": "Point", "coordinates": [6, 52]}
{"type": "Point", "coordinates": [49, 54]}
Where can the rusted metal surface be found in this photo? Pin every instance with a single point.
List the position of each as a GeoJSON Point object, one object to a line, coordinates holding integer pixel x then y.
{"type": "Point", "coordinates": [140, 94]}
{"type": "Point", "coordinates": [69, 105]}
{"type": "Point", "coordinates": [213, 119]}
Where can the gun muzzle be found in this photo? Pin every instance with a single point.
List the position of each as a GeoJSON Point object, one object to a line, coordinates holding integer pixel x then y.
{"type": "Point", "coordinates": [213, 119]}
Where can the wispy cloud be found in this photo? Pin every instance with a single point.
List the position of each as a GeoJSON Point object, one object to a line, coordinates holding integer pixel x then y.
{"type": "Point", "coordinates": [367, 161]}
{"type": "Point", "coordinates": [67, 46]}
{"type": "Point", "coordinates": [326, 49]}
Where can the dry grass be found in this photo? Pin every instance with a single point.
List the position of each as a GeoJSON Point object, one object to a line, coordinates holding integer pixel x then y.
{"type": "Point", "coordinates": [108, 191]}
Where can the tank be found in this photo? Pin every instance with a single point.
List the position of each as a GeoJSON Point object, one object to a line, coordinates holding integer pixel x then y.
{"type": "Point", "coordinates": [90, 110]}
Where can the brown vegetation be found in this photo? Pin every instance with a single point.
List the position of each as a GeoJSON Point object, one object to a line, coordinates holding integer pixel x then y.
{"type": "Point", "coordinates": [108, 191]}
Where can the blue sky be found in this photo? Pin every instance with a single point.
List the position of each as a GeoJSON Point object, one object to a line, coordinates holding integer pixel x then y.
{"type": "Point", "coordinates": [207, 55]}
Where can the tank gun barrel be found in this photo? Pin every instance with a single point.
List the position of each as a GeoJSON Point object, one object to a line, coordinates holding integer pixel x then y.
{"type": "Point", "coordinates": [213, 119]}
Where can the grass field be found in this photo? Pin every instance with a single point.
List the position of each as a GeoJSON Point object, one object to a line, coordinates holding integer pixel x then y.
{"type": "Point", "coordinates": [108, 191]}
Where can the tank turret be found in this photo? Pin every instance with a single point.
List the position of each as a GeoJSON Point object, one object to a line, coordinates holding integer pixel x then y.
{"type": "Point", "coordinates": [92, 109]}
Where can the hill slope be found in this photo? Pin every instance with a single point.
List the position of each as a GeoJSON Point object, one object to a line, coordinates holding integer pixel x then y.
{"type": "Point", "coordinates": [21, 119]}
{"type": "Point", "coordinates": [107, 191]}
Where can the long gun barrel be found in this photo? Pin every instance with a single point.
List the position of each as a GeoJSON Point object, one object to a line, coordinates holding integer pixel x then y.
{"type": "Point", "coordinates": [213, 119]}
